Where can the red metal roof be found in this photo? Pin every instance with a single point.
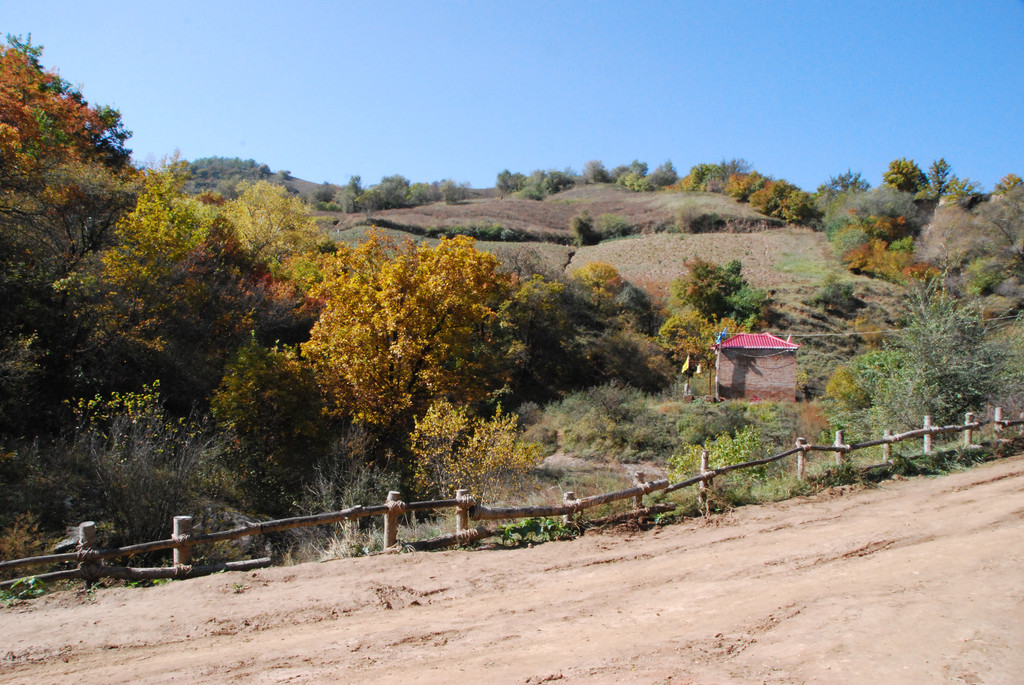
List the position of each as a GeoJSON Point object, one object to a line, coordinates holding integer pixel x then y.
{"type": "Point", "coordinates": [760, 341]}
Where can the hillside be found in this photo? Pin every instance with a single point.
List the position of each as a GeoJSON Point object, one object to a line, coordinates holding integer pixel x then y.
{"type": "Point", "coordinates": [550, 219]}
{"type": "Point", "coordinates": [911, 582]}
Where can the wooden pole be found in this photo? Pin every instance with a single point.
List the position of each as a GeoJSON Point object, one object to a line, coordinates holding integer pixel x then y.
{"type": "Point", "coordinates": [395, 508]}
{"type": "Point", "coordinates": [182, 532]}
{"type": "Point", "coordinates": [997, 419]}
{"type": "Point", "coordinates": [801, 459]}
{"type": "Point", "coordinates": [1022, 423]}
{"type": "Point", "coordinates": [887, 447]}
{"type": "Point", "coordinates": [927, 436]}
{"type": "Point", "coordinates": [839, 443]}
{"type": "Point", "coordinates": [702, 494]}
{"type": "Point", "coordinates": [968, 433]}
{"type": "Point", "coordinates": [639, 478]}
{"type": "Point", "coordinates": [88, 566]}
{"type": "Point", "coordinates": [568, 498]}
{"type": "Point", "coordinates": [462, 511]}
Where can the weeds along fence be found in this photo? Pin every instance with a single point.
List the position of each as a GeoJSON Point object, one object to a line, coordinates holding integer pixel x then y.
{"type": "Point", "coordinates": [89, 559]}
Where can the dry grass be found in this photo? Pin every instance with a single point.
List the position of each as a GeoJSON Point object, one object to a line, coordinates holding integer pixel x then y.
{"type": "Point", "coordinates": [550, 219]}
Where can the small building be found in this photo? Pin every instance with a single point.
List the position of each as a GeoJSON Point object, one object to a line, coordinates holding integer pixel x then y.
{"type": "Point", "coordinates": [755, 366]}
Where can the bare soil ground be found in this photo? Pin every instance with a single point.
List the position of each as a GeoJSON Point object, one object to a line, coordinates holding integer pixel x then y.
{"type": "Point", "coordinates": [915, 581]}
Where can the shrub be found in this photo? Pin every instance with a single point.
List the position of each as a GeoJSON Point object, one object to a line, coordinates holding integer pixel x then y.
{"type": "Point", "coordinates": [741, 186]}
{"type": "Point", "coordinates": [943, 363]}
{"type": "Point", "coordinates": [614, 226]}
{"type": "Point", "coordinates": [612, 421]}
{"type": "Point", "coordinates": [485, 456]}
{"type": "Point", "coordinates": [149, 466]}
{"type": "Point", "coordinates": [583, 232]}
{"type": "Point", "coordinates": [834, 295]}
{"type": "Point", "coordinates": [726, 449]}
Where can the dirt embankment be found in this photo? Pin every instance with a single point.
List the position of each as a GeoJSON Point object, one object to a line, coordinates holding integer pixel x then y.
{"type": "Point", "coordinates": [914, 581]}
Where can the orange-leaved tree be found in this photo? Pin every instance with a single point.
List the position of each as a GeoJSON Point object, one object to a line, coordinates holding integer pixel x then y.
{"type": "Point", "coordinates": [403, 324]}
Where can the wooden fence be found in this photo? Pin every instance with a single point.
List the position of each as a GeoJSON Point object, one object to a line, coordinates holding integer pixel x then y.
{"type": "Point", "coordinates": [89, 558]}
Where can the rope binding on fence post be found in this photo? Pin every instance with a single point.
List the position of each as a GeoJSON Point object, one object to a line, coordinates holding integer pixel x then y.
{"type": "Point", "coordinates": [89, 564]}
{"type": "Point", "coordinates": [569, 499]}
{"type": "Point", "coordinates": [395, 508]}
{"type": "Point", "coordinates": [465, 501]}
{"type": "Point", "coordinates": [182, 534]}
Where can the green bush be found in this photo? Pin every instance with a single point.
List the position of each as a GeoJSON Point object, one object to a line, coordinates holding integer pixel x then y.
{"type": "Point", "coordinates": [726, 449]}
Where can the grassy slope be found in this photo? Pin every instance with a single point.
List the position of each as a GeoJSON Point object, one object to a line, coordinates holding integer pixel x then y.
{"type": "Point", "coordinates": [791, 262]}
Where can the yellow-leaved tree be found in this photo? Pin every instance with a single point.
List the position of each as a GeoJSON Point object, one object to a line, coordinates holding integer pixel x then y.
{"type": "Point", "coordinates": [403, 324]}
{"type": "Point", "coordinates": [271, 224]}
{"type": "Point", "coordinates": [484, 456]}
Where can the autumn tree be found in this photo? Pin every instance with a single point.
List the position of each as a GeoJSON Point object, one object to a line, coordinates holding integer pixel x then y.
{"type": "Point", "coordinates": [486, 456]}
{"type": "Point", "coordinates": [270, 223]}
{"type": "Point", "coordinates": [65, 181]}
{"type": "Point", "coordinates": [905, 176]}
{"type": "Point", "coordinates": [784, 200]}
{"type": "Point", "coordinates": [403, 325]}
{"type": "Point", "coordinates": [690, 335]}
{"type": "Point", "coordinates": [1008, 183]}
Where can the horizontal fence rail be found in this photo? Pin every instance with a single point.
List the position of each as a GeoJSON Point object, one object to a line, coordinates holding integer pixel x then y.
{"type": "Point", "coordinates": [89, 558]}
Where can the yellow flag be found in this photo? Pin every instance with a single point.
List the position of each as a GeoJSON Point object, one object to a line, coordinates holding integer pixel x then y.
{"type": "Point", "coordinates": [686, 364]}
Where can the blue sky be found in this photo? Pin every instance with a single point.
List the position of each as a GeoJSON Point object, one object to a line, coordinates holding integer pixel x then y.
{"type": "Point", "coordinates": [462, 90]}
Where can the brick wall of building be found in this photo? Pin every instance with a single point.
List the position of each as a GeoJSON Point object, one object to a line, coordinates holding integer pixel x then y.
{"type": "Point", "coordinates": [764, 374]}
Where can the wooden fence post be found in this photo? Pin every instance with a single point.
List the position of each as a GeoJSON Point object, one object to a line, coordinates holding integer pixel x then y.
{"type": "Point", "coordinates": [927, 436]}
{"type": "Point", "coordinates": [89, 566]}
{"type": "Point", "coordinates": [968, 433]}
{"type": "Point", "coordinates": [887, 447]}
{"type": "Point", "coordinates": [839, 443]}
{"type": "Point", "coordinates": [702, 489]}
{"type": "Point", "coordinates": [997, 419]}
{"type": "Point", "coordinates": [639, 478]}
{"type": "Point", "coordinates": [462, 511]}
{"type": "Point", "coordinates": [1022, 423]}
{"type": "Point", "coordinates": [182, 532]}
{"type": "Point", "coordinates": [568, 497]}
{"type": "Point", "coordinates": [801, 459]}
{"type": "Point", "coordinates": [395, 508]}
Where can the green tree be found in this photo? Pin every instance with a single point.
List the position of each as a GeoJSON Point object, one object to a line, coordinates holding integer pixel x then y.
{"type": "Point", "coordinates": [508, 183]}
{"type": "Point", "coordinates": [268, 401]}
{"type": "Point", "coordinates": [394, 191]}
{"type": "Point", "coordinates": [719, 292]}
{"type": "Point", "coordinates": [943, 362]}
{"type": "Point", "coordinates": [594, 171]}
{"type": "Point", "coordinates": [583, 232]}
{"type": "Point", "coordinates": [939, 175]}
{"type": "Point", "coordinates": [664, 175]}
{"type": "Point", "coordinates": [905, 176]}
{"type": "Point", "coordinates": [453, 193]}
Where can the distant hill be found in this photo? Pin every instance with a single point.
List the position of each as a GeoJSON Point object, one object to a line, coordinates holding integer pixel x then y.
{"type": "Point", "coordinates": [223, 174]}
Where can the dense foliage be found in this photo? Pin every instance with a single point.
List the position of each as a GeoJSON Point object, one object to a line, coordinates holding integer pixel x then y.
{"type": "Point", "coordinates": [186, 337]}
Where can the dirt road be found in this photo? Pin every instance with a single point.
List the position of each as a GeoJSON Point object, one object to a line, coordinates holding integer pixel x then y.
{"type": "Point", "coordinates": [918, 581]}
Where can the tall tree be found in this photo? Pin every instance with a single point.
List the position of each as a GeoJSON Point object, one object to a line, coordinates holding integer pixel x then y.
{"type": "Point", "coordinates": [270, 223]}
{"type": "Point", "coordinates": [404, 324]}
{"type": "Point", "coordinates": [905, 176]}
